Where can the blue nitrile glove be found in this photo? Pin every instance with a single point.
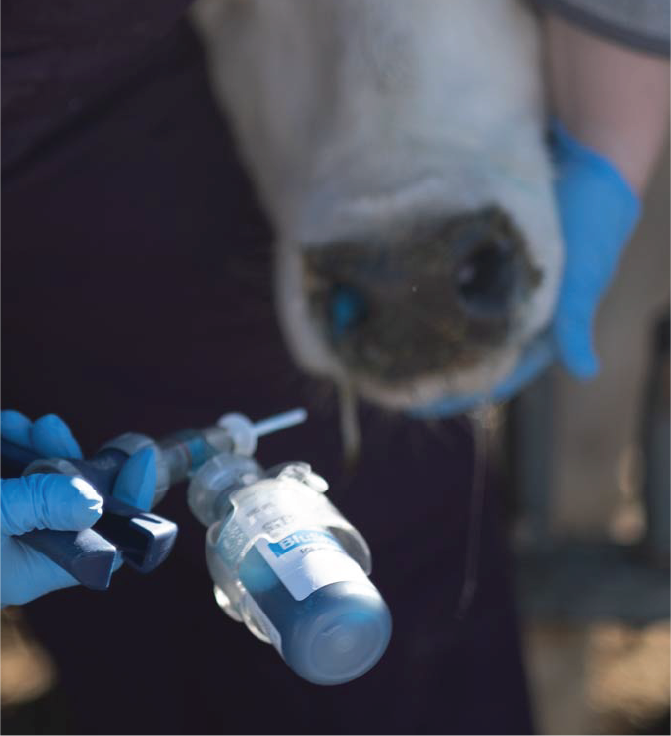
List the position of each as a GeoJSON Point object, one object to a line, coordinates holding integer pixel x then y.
{"type": "Point", "coordinates": [598, 211]}
{"type": "Point", "coordinates": [51, 501]}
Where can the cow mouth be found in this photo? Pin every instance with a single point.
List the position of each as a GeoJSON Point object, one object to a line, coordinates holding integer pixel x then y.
{"type": "Point", "coordinates": [437, 301]}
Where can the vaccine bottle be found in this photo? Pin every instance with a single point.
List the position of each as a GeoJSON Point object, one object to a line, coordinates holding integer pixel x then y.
{"type": "Point", "coordinates": [288, 564]}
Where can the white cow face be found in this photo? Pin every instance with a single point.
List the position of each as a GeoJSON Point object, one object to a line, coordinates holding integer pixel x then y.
{"type": "Point", "coordinates": [399, 149]}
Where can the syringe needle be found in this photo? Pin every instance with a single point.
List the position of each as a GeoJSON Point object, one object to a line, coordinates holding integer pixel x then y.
{"type": "Point", "coordinates": [280, 421]}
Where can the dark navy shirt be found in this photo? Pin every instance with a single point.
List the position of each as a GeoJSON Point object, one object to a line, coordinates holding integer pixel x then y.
{"type": "Point", "coordinates": [136, 296]}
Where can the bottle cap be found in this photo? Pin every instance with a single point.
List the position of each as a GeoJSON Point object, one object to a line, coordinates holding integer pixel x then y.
{"type": "Point", "coordinates": [345, 638]}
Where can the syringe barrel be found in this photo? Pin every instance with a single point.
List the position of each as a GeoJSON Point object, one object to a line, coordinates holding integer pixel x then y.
{"type": "Point", "coordinates": [178, 455]}
{"type": "Point", "coordinates": [186, 451]}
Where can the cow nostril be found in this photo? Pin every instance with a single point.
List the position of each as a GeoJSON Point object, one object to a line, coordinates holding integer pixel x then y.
{"type": "Point", "coordinates": [347, 309]}
{"type": "Point", "coordinates": [486, 281]}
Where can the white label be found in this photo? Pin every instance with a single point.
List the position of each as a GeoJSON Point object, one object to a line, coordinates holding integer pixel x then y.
{"type": "Point", "coordinates": [306, 557]}
{"type": "Point", "coordinates": [307, 560]}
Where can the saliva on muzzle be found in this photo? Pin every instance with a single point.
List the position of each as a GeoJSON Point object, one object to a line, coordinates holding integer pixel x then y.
{"type": "Point", "coordinates": [392, 309]}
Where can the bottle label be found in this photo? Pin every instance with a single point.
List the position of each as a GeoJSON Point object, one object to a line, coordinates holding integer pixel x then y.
{"type": "Point", "coordinates": [309, 559]}
{"type": "Point", "coordinates": [287, 522]}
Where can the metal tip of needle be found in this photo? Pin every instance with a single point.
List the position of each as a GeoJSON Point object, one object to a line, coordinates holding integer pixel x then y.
{"type": "Point", "coordinates": [280, 421]}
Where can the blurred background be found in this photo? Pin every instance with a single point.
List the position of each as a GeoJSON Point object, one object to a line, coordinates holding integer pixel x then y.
{"type": "Point", "coordinates": [29, 681]}
{"type": "Point", "coordinates": [589, 482]}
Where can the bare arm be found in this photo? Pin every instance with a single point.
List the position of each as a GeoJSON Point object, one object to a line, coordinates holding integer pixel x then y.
{"type": "Point", "coordinates": [613, 99]}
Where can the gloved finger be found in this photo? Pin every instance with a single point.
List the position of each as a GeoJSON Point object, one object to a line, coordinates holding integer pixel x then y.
{"type": "Point", "coordinates": [51, 437]}
{"type": "Point", "coordinates": [38, 574]}
{"type": "Point", "coordinates": [573, 336]}
{"type": "Point", "coordinates": [48, 501]}
{"type": "Point", "coordinates": [136, 482]}
{"type": "Point", "coordinates": [15, 427]}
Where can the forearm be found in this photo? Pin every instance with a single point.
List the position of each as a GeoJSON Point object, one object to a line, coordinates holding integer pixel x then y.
{"type": "Point", "coordinates": [612, 99]}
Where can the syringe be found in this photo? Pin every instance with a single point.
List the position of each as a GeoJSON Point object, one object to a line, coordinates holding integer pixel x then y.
{"type": "Point", "coordinates": [143, 539]}
{"type": "Point", "coordinates": [182, 453]}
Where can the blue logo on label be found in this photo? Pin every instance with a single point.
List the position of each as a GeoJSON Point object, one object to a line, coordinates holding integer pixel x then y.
{"type": "Point", "coordinates": [301, 538]}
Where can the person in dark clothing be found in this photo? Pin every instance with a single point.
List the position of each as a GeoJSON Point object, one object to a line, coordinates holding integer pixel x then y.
{"type": "Point", "coordinates": [137, 295]}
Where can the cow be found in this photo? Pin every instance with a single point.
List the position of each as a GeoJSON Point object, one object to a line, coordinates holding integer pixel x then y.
{"type": "Point", "coordinates": [399, 150]}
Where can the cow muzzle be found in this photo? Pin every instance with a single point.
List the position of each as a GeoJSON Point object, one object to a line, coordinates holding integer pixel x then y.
{"type": "Point", "coordinates": [425, 300]}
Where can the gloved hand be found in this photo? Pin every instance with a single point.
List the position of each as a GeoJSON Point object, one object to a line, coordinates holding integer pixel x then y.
{"type": "Point", "coordinates": [598, 211]}
{"type": "Point", "coordinates": [51, 501]}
